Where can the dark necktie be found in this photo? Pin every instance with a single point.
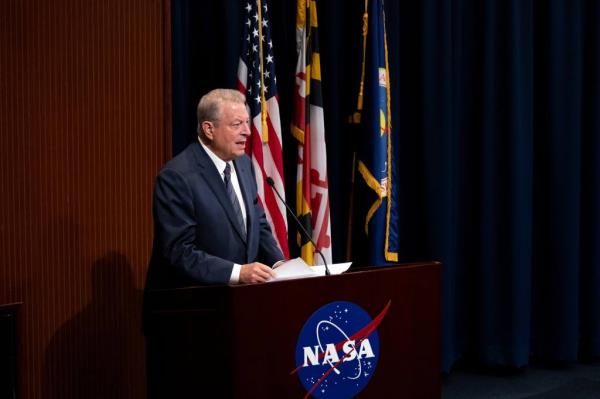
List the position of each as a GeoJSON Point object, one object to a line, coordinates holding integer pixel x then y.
{"type": "Point", "coordinates": [234, 199]}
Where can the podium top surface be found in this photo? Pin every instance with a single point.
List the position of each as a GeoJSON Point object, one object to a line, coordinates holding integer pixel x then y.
{"type": "Point", "coordinates": [224, 296]}
{"type": "Point", "coordinates": [405, 267]}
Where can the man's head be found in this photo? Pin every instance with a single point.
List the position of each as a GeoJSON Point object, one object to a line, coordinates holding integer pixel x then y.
{"type": "Point", "coordinates": [223, 123]}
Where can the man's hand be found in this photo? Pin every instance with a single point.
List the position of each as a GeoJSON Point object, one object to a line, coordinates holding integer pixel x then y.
{"type": "Point", "coordinates": [255, 272]}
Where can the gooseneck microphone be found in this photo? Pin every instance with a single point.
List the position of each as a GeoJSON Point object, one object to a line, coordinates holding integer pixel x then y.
{"type": "Point", "coordinates": [302, 229]}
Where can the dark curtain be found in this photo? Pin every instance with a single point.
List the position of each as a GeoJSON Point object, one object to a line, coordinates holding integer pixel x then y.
{"type": "Point", "coordinates": [496, 128]}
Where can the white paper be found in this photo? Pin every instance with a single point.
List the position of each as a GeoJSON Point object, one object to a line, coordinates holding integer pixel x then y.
{"type": "Point", "coordinates": [294, 268]}
{"type": "Point", "coordinates": [297, 268]}
{"type": "Point", "coordinates": [335, 268]}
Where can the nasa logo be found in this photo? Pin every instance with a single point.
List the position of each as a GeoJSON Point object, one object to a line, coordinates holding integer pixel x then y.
{"type": "Point", "coordinates": [338, 350]}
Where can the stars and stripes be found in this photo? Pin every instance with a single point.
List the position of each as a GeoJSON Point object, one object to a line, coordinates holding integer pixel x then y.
{"type": "Point", "coordinates": [256, 79]}
{"type": "Point", "coordinates": [312, 188]}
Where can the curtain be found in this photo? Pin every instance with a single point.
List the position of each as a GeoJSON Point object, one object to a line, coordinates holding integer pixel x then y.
{"type": "Point", "coordinates": [495, 130]}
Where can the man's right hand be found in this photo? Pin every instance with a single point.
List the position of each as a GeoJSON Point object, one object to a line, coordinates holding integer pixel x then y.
{"type": "Point", "coordinates": [255, 272]}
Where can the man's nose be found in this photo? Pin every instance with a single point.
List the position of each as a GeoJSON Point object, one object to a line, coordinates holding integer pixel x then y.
{"type": "Point", "coordinates": [246, 129]}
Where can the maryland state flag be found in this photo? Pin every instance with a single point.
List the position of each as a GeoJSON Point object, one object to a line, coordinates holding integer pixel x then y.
{"type": "Point", "coordinates": [376, 218]}
{"type": "Point", "coordinates": [312, 192]}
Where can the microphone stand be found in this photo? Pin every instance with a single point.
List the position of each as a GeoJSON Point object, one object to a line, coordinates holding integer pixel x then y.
{"type": "Point", "coordinates": [302, 229]}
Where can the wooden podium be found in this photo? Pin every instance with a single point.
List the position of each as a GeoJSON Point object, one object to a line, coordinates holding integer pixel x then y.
{"type": "Point", "coordinates": [240, 341]}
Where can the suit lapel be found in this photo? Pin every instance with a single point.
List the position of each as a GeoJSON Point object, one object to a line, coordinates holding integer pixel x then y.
{"type": "Point", "coordinates": [215, 183]}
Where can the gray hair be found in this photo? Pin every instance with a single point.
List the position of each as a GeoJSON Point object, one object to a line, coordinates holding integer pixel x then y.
{"type": "Point", "coordinates": [210, 105]}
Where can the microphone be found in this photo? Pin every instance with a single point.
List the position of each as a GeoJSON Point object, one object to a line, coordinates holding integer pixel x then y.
{"type": "Point", "coordinates": [302, 229]}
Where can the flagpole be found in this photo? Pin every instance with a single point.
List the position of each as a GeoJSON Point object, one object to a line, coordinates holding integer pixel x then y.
{"type": "Point", "coordinates": [263, 102]}
{"type": "Point", "coordinates": [351, 210]}
{"type": "Point", "coordinates": [355, 119]}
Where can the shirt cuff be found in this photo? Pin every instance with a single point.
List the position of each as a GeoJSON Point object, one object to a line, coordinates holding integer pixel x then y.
{"type": "Point", "coordinates": [235, 274]}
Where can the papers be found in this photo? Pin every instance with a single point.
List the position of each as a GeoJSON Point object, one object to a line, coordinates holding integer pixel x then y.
{"type": "Point", "coordinates": [335, 268]}
{"type": "Point", "coordinates": [297, 268]}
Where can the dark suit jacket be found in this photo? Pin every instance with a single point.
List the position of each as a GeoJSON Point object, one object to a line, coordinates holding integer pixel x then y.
{"type": "Point", "coordinates": [196, 237]}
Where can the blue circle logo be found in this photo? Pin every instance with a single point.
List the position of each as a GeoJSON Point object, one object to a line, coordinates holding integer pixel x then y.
{"type": "Point", "coordinates": [338, 350]}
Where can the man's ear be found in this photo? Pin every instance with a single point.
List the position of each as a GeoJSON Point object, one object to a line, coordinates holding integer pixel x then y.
{"type": "Point", "coordinates": [208, 129]}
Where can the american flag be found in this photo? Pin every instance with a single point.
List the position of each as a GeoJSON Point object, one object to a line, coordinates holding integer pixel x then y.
{"type": "Point", "coordinates": [256, 80]}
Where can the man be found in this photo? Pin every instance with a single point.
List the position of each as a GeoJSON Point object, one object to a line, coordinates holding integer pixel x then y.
{"type": "Point", "coordinates": [209, 227]}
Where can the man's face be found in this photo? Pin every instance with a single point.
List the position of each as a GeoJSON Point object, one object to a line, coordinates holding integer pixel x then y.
{"type": "Point", "coordinates": [229, 135]}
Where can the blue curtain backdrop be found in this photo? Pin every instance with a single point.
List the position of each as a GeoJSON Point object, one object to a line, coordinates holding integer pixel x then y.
{"type": "Point", "coordinates": [496, 115]}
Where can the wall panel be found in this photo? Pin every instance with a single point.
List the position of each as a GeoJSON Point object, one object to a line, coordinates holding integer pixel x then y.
{"type": "Point", "coordinates": [84, 127]}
